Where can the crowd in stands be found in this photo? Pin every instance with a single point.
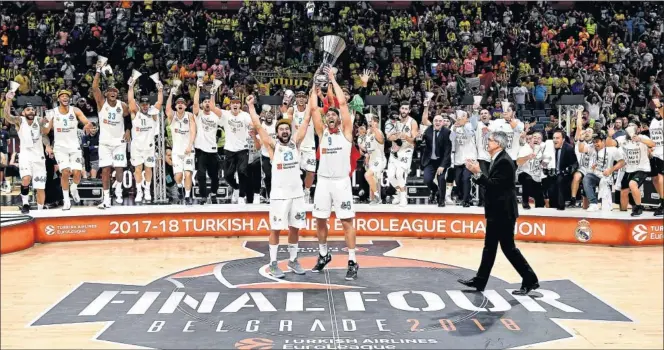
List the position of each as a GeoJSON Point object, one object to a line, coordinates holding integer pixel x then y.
{"type": "Point", "coordinates": [530, 53]}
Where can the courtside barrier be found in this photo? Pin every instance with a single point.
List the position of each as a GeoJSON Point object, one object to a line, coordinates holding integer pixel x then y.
{"type": "Point", "coordinates": [17, 232]}
{"type": "Point", "coordinates": [536, 225]}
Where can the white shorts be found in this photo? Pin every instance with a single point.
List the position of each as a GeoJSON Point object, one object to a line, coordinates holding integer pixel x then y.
{"type": "Point", "coordinates": [377, 166]}
{"type": "Point", "coordinates": [68, 158]}
{"type": "Point", "coordinates": [308, 160]}
{"type": "Point", "coordinates": [403, 159]}
{"type": "Point", "coordinates": [36, 169]}
{"type": "Point", "coordinates": [333, 193]}
{"type": "Point", "coordinates": [286, 213]}
{"type": "Point", "coordinates": [183, 163]}
{"type": "Point", "coordinates": [115, 156]}
{"type": "Point", "coordinates": [143, 157]}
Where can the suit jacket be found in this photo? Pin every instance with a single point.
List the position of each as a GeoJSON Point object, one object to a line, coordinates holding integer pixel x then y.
{"type": "Point", "coordinates": [500, 196]}
{"type": "Point", "coordinates": [568, 160]}
{"type": "Point", "coordinates": [443, 147]}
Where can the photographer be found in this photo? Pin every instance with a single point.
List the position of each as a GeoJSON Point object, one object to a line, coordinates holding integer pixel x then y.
{"type": "Point", "coordinates": [565, 165]}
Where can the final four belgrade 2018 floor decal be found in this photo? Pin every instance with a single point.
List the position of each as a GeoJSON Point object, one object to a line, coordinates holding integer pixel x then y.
{"type": "Point", "coordinates": [396, 303]}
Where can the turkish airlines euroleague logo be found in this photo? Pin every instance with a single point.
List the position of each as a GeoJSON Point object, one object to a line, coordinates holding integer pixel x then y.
{"type": "Point", "coordinates": [644, 233]}
{"type": "Point", "coordinates": [640, 233]}
{"type": "Point", "coordinates": [396, 303]}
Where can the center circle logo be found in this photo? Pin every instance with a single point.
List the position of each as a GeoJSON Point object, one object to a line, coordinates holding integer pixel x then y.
{"type": "Point", "coordinates": [640, 232]}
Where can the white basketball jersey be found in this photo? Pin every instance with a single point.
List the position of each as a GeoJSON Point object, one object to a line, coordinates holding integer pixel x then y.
{"type": "Point", "coordinates": [657, 136]}
{"type": "Point", "coordinates": [286, 180]}
{"type": "Point", "coordinates": [31, 140]}
{"type": "Point", "coordinates": [482, 142]}
{"type": "Point", "coordinates": [308, 143]}
{"type": "Point", "coordinates": [513, 136]}
{"type": "Point", "coordinates": [334, 155]}
{"type": "Point", "coordinates": [405, 127]}
{"type": "Point", "coordinates": [237, 130]}
{"type": "Point", "coordinates": [142, 131]}
{"type": "Point", "coordinates": [65, 129]}
{"type": "Point", "coordinates": [111, 124]}
{"type": "Point", "coordinates": [206, 132]}
{"type": "Point", "coordinates": [375, 150]}
{"type": "Point", "coordinates": [180, 130]}
{"type": "Point", "coordinates": [272, 131]}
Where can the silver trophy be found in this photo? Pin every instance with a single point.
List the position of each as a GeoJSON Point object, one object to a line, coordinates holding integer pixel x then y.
{"type": "Point", "coordinates": [332, 46]}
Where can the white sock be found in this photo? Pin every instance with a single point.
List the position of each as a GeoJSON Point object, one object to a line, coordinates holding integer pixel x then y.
{"type": "Point", "coordinates": [146, 184]}
{"type": "Point", "coordinates": [116, 184]}
{"type": "Point", "coordinates": [351, 254]}
{"type": "Point", "coordinates": [24, 198]}
{"type": "Point", "coordinates": [40, 206]}
{"type": "Point", "coordinates": [307, 190]}
{"type": "Point", "coordinates": [65, 196]}
{"type": "Point", "coordinates": [292, 250]}
{"type": "Point", "coordinates": [187, 193]}
{"type": "Point", "coordinates": [107, 195]}
{"type": "Point", "coordinates": [322, 248]}
{"type": "Point", "coordinates": [273, 252]}
{"type": "Point", "coordinates": [73, 187]}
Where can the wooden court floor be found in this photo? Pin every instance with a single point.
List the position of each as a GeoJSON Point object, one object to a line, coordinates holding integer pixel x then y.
{"type": "Point", "coordinates": [628, 279]}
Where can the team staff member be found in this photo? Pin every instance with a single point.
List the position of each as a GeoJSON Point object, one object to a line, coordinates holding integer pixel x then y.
{"type": "Point", "coordinates": [463, 139]}
{"type": "Point", "coordinates": [402, 133]}
{"type": "Point", "coordinates": [33, 136]}
{"type": "Point", "coordinates": [114, 135]}
{"type": "Point", "coordinates": [657, 160]}
{"type": "Point", "coordinates": [287, 197]}
{"type": "Point", "coordinates": [183, 131]}
{"type": "Point", "coordinates": [501, 213]}
{"type": "Point", "coordinates": [236, 123]}
{"type": "Point", "coordinates": [436, 158]}
{"type": "Point", "coordinates": [207, 122]}
{"type": "Point", "coordinates": [143, 120]}
{"type": "Point", "coordinates": [637, 166]}
{"type": "Point", "coordinates": [565, 163]}
{"type": "Point", "coordinates": [64, 121]}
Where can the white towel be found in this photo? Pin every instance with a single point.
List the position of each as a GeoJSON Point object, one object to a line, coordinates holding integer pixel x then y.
{"type": "Point", "coordinates": [606, 193]}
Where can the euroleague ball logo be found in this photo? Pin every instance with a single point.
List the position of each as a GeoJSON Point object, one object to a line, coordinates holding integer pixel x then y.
{"type": "Point", "coordinates": [49, 230]}
{"type": "Point", "coordinates": [254, 344]}
{"type": "Point", "coordinates": [640, 233]}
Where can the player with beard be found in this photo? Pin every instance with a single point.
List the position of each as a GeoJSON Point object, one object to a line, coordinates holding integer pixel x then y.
{"type": "Point", "coordinates": [308, 147]}
{"type": "Point", "coordinates": [183, 131]}
{"type": "Point", "coordinates": [463, 141]}
{"type": "Point", "coordinates": [530, 171]}
{"type": "Point", "coordinates": [603, 168]}
{"type": "Point", "coordinates": [637, 166]}
{"type": "Point", "coordinates": [236, 123]}
{"type": "Point", "coordinates": [64, 121]}
{"type": "Point", "coordinates": [586, 160]}
{"type": "Point", "coordinates": [207, 122]}
{"type": "Point", "coordinates": [114, 135]}
{"type": "Point", "coordinates": [287, 196]}
{"type": "Point", "coordinates": [482, 143]}
{"type": "Point", "coordinates": [402, 134]}
{"type": "Point", "coordinates": [143, 121]}
{"type": "Point", "coordinates": [375, 158]}
{"type": "Point", "coordinates": [270, 127]}
{"type": "Point", "coordinates": [512, 127]}
{"type": "Point", "coordinates": [33, 135]}
{"type": "Point", "coordinates": [657, 160]}
{"type": "Point", "coordinates": [334, 189]}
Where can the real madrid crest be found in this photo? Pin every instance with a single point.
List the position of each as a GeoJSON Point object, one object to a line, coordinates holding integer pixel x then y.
{"type": "Point", "coordinates": [583, 231]}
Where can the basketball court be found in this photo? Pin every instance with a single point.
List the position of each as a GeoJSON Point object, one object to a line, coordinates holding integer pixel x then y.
{"type": "Point", "coordinates": [134, 280]}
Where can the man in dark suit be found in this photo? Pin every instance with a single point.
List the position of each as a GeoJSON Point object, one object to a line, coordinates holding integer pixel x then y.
{"type": "Point", "coordinates": [436, 157]}
{"type": "Point", "coordinates": [565, 165]}
{"type": "Point", "coordinates": [501, 213]}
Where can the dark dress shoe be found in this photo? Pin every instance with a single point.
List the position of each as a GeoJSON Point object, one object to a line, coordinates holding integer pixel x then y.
{"type": "Point", "coordinates": [474, 282]}
{"type": "Point", "coordinates": [441, 204]}
{"type": "Point", "coordinates": [525, 289]}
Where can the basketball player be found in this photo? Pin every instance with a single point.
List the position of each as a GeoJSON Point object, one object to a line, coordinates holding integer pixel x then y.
{"type": "Point", "coordinates": [33, 136]}
{"type": "Point", "coordinates": [334, 186]}
{"type": "Point", "coordinates": [143, 121]}
{"type": "Point", "coordinates": [308, 147]}
{"type": "Point", "coordinates": [463, 141]}
{"type": "Point", "coordinates": [271, 128]}
{"type": "Point", "coordinates": [604, 167]}
{"type": "Point", "coordinates": [236, 123]}
{"type": "Point", "coordinates": [530, 171]}
{"type": "Point", "coordinates": [402, 134]}
{"type": "Point", "coordinates": [207, 159]}
{"type": "Point", "coordinates": [64, 121]}
{"type": "Point", "coordinates": [583, 138]}
{"type": "Point", "coordinates": [183, 132]}
{"type": "Point", "coordinates": [482, 143]}
{"type": "Point", "coordinates": [657, 160]}
{"type": "Point", "coordinates": [512, 127]}
{"type": "Point", "coordinates": [287, 197]}
{"type": "Point", "coordinates": [114, 135]}
{"type": "Point", "coordinates": [374, 159]}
